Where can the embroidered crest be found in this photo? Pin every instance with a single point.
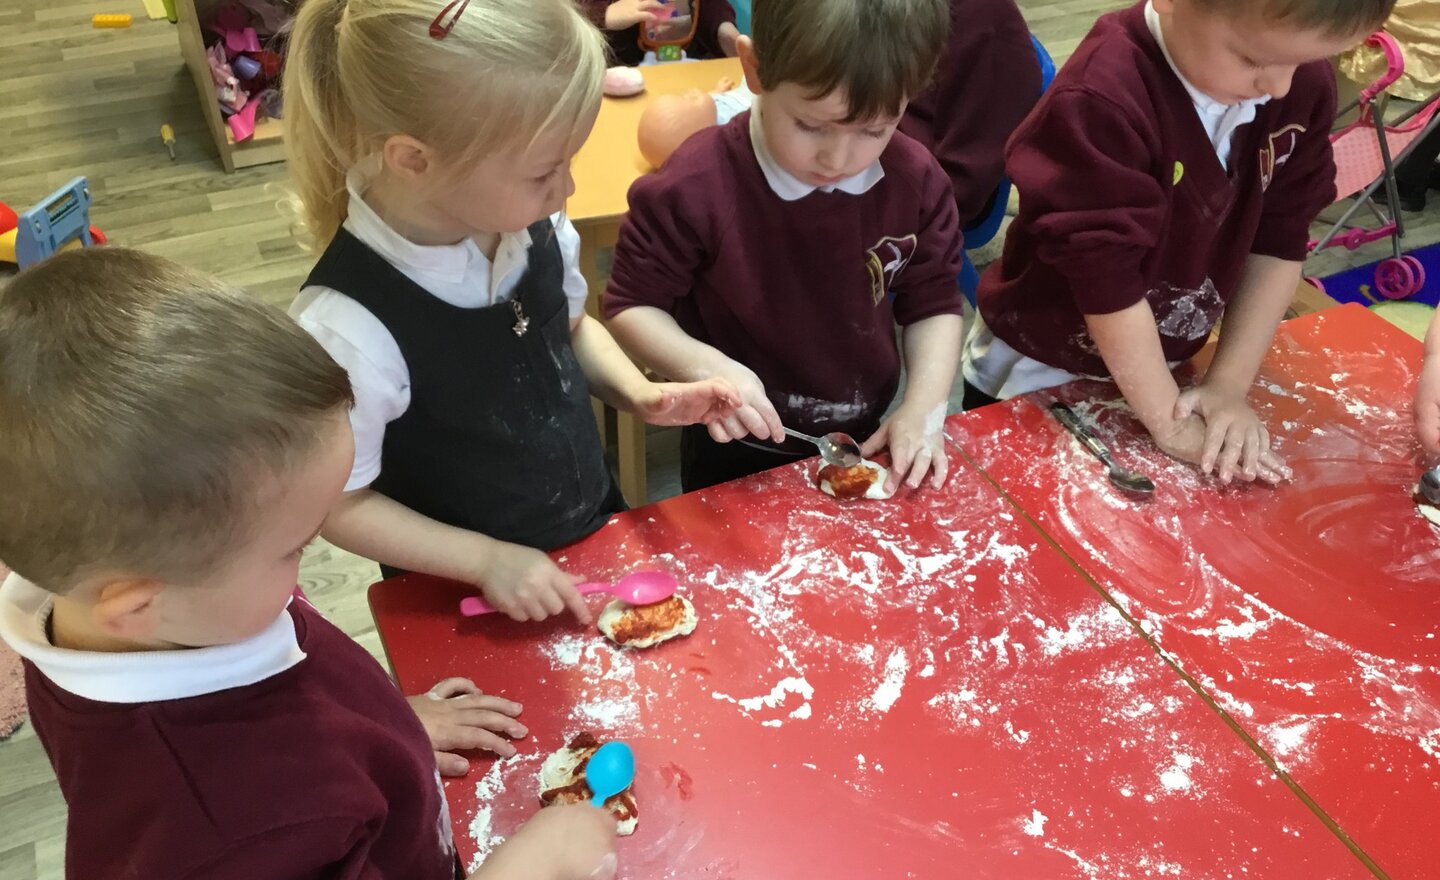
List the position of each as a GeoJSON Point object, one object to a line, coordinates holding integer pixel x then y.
{"type": "Point", "coordinates": [1277, 151]}
{"type": "Point", "coordinates": [885, 261]}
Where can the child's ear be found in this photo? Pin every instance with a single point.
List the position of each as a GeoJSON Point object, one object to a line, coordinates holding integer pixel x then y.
{"type": "Point", "coordinates": [407, 157]}
{"type": "Point", "coordinates": [127, 608]}
{"type": "Point", "coordinates": [745, 49]}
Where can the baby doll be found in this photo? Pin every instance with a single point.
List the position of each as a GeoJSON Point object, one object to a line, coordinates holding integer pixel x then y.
{"type": "Point", "coordinates": [671, 119]}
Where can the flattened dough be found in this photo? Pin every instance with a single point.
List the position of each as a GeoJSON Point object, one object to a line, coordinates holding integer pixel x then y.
{"type": "Point", "coordinates": [864, 480]}
{"type": "Point", "coordinates": [644, 626]}
{"type": "Point", "coordinates": [562, 781]}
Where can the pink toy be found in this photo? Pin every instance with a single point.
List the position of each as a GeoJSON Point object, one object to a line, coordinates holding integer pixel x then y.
{"type": "Point", "coordinates": [242, 124]}
{"type": "Point", "coordinates": [227, 88]}
{"type": "Point", "coordinates": [623, 82]}
{"type": "Point", "coordinates": [233, 25]}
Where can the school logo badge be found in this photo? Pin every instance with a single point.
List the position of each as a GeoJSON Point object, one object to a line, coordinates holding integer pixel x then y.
{"type": "Point", "coordinates": [885, 261]}
{"type": "Point", "coordinates": [1277, 151]}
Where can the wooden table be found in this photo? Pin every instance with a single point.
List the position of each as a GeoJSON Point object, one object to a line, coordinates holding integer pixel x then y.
{"type": "Point", "coordinates": [1309, 614]}
{"type": "Point", "coordinates": [603, 170]}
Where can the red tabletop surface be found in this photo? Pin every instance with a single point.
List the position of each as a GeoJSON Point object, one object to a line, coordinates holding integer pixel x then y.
{"type": "Point", "coordinates": [1310, 612]}
{"type": "Point", "coordinates": [916, 688]}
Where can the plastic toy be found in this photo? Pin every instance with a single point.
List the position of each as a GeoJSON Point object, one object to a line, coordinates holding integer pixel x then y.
{"type": "Point", "coordinates": [60, 221]}
{"type": "Point", "coordinates": [167, 137]}
{"type": "Point", "coordinates": [675, 30]}
{"type": "Point", "coordinates": [117, 20]}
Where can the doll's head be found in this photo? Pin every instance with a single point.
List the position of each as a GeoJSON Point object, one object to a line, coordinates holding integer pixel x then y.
{"type": "Point", "coordinates": [670, 120]}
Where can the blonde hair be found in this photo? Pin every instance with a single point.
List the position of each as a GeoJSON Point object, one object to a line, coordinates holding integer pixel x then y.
{"type": "Point", "coordinates": [881, 53]}
{"type": "Point", "coordinates": [361, 71]}
{"type": "Point", "coordinates": [141, 407]}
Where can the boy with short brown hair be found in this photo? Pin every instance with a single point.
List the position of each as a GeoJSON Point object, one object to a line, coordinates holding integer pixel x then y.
{"type": "Point", "coordinates": [780, 250]}
{"type": "Point", "coordinates": [1169, 175]}
{"type": "Point", "coordinates": [168, 448]}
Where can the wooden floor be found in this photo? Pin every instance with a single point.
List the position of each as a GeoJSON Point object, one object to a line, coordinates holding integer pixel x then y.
{"type": "Point", "coordinates": [75, 100]}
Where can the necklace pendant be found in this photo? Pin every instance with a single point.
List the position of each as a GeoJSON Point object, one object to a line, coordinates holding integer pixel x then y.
{"type": "Point", "coordinates": [522, 323]}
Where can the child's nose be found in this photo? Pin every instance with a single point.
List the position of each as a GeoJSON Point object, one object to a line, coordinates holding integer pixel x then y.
{"type": "Point", "coordinates": [1276, 82]}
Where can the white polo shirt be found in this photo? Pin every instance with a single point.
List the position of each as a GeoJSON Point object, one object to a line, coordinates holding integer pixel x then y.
{"type": "Point", "coordinates": [458, 274]}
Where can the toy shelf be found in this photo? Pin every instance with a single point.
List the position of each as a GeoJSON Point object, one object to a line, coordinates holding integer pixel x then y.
{"type": "Point", "coordinates": [266, 144]}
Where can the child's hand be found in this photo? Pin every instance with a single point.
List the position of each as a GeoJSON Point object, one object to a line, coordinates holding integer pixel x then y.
{"type": "Point", "coordinates": [917, 445]}
{"type": "Point", "coordinates": [756, 415]}
{"type": "Point", "coordinates": [627, 13]}
{"type": "Point", "coordinates": [1427, 405]}
{"type": "Point", "coordinates": [1236, 441]}
{"type": "Point", "coordinates": [688, 403]}
{"type": "Point", "coordinates": [457, 715]}
{"type": "Point", "coordinates": [575, 842]}
{"type": "Point", "coordinates": [525, 584]}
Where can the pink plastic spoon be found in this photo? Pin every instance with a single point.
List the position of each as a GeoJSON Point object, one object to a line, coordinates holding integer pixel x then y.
{"type": "Point", "coordinates": [637, 588]}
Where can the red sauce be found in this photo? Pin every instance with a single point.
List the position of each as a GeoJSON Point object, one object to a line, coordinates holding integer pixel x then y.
{"type": "Point", "coordinates": [645, 621]}
{"type": "Point", "coordinates": [575, 791]}
{"type": "Point", "coordinates": [847, 483]}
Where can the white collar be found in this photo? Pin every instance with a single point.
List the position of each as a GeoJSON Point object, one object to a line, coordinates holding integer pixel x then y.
{"type": "Point", "coordinates": [445, 262]}
{"type": "Point", "coordinates": [789, 187]}
{"type": "Point", "coordinates": [141, 676]}
{"type": "Point", "coordinates": [1203, 102]}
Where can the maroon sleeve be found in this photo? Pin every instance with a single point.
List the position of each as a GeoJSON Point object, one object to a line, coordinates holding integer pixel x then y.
{"type": "Point", "coordinates": [664, 240]}
{"type": "Point", "coordinates": [594, 10]}
{"type": "Point", "coordinates": [988, 80]}
{"type": "Point", "coordinates": [325, 849]}
{"type": "Point", "coordinates": [1089, 197]}
{"type": "Point", "coordinates": [713, 14]}
{"type": "Point", "coordinates": [928, 285]}
{"type": "Point", "coordinates": [1305, 185]}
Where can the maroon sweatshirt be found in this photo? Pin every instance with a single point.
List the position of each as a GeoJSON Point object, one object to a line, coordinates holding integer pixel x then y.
{"type": "Point", "coordinates": [1122, 198]}
{"type": "Point", "coordinates": [625, 45]}
{"type": "Point", "coordinates": [986, 81]}
{"type": "Point", "coordinates": [801, 291]}
{"type": "Point", "coordinates": [321, 771]}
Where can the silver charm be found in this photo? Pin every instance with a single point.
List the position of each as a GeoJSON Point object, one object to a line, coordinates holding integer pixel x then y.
{"type": "Point", "coordinates": [522, 323]}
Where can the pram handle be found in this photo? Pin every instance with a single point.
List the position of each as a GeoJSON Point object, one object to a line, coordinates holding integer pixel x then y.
{"type": "Point", "coordinates": [1394, 65]}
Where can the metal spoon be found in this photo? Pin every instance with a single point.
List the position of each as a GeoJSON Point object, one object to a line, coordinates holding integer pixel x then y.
{"type": "Point", "coordinates": [838, 448]}
{"type": "Point", "coordinates": [1430, 485]}
{"type": "Point", "coordinates": [1125, 480]}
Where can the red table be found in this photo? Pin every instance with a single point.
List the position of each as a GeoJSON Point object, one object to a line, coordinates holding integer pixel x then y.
{"type": "Point", "coordinates": [1311, 612]}
{"type": "Point", "coordinates": [920, 688]}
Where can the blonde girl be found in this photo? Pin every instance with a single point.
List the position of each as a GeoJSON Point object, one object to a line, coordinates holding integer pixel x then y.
{"type": "Point", "coordinates": [430, 146]}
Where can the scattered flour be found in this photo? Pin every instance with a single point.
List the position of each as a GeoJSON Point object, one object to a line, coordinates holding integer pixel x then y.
{"type": "Point", "coordinates": [1035, 825]}
{"type": "Point", "coordinates": [893, 681]}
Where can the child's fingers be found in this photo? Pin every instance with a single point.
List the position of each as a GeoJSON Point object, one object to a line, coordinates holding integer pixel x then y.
{"type": "Point", "coordinates": [1227, 463]}
{"type": "Point", "coordinates": [1273, 468]}
{"type": "Point", "coordinates": [876, 442]}
{"type": "Point", "coordinates": [571, 598]}
{"type": "Point", "coordinates": [941, 467]}
{"type": "Point", "coordinates": [452, 687]}
{"type": "Point", "coordinates": [450, 764]}
{"type": "Point", "coordinates": [494, 722]}
{"type": "Point", "coordinates": [1185, 404]}
{"type": "Point", "coordinates": [753, 423]}
{"type": "Point", "coordinates": [919, 467]}
{"type": "Point", "coordinates": [1250, 460]}
{"type": "Point", "coordinates": [488, 703]}
{"type": "Point", "coordinates": [457, 738]}
{"type": "Point", "coordinates": [718, 430]}
{"type": "Point", "coordinates": [1215, 434]}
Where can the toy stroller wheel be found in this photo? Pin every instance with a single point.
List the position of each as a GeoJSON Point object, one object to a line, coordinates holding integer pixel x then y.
{"type": "Point", "coordinates": [1418, 269]}
{"type": "Point", "coordinates": [1315, 283]}
{"type": "Point", "coordinates": [1394, 278]}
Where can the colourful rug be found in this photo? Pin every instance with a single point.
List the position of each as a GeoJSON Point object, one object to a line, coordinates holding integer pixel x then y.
{"type": "Point", "coordinates": [1412, 314]}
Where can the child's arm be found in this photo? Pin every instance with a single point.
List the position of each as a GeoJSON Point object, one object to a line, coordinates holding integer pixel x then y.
{"type": "Point", "coordinates": [615, 380]}
{"type": "Point", "coordinates": [915, 431]}
{"type": "Point", "coordinates": [559, 843]}
{"type": "Point", "coordinates": [520, 581]}
{"type": "Point", "coordinates": [654, 338]}
{"type": "Point", "coordinates": [1427, 395]}
{"type": "Point", "coordinates": [622, 14]}
{"type": "Point", "coordinates": [1265, 292]}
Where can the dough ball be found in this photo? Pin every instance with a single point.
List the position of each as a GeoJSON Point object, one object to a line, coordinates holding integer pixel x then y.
{"type": "Point", "coordinates": [562, 781]}
{"type": "Point", "coordinates": [864, 480]}
{"type": "Point", "coordinates": [644, 626]}
{"type": "Point", "coordinates": [623, 82]}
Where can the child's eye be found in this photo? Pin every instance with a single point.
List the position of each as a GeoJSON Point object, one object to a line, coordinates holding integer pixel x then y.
{"type": "Point", "coordinates": [876, 133]}
{"type": "Point", "coordinates": [810, 129]}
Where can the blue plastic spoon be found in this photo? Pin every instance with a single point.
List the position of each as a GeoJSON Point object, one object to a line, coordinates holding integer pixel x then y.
{"type": "Point", "coordinates": [609, 771]}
